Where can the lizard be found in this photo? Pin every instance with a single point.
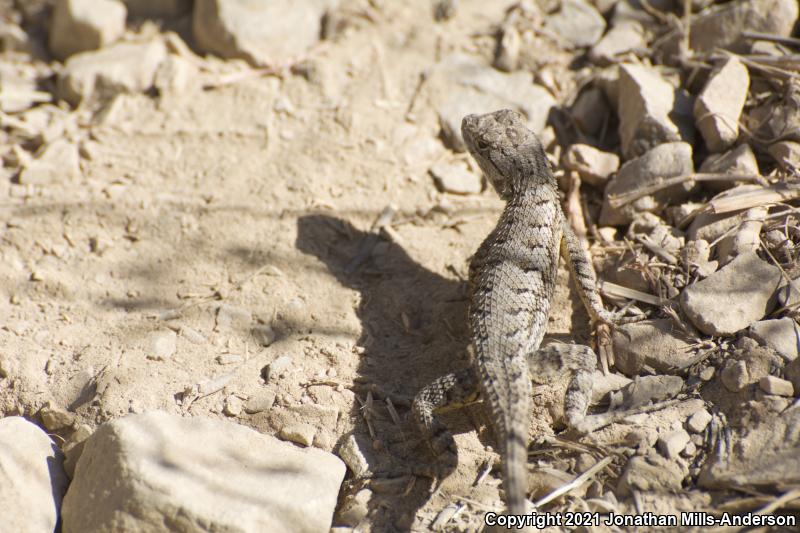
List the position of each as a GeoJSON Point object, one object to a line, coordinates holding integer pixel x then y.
{"type": "Point", "coordinates": [512, 277]}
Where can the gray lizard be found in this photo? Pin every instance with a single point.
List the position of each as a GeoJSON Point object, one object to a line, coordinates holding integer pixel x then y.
{"type": "Point", "coordinates": [512, 277]}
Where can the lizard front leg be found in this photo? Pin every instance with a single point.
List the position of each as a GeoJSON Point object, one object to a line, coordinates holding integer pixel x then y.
{"type": "Point", "coordinates": [449, 391]}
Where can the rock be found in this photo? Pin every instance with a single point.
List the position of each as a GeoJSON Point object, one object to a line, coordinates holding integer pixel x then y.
{"type": "Point", "coordinates": [672, 444]}
{"type": "Point", "coordinates": [664, 161]}
{"type": "Point", "coordinates": [136, 471]}
{"type": "Point", "coordinates": [55, 417]}
{"type": "Point", "coordinates": [594, 166]}
{"type": "Point", "coordinates": [746, 238]}
{"type": "Point", "coordinates": [645, 390]}
{"type": "Point", "coordinates": [506, 57]}
{"type": "Point", "coordinates": [740, 160]}
{"type": "Point", "coordinates": [718, 107]}
{"type": "Point", "coordinates": [456, 179]}
{"type": "Point", "coordinates": [173, 75]}
{"type": "Point", "coordinates": [264, 334]}
{"type": "Point", "coordinates": [787, 154]}
{"type": "Point", "coordinates": [32, 480]}
{"type": "Point", "coordinates": [712, 226]}
{"type": "Point", "coordinates": [724, 25]}
{"type": "Point", "coordinates": [695, 256]}
{"type": "Point", "coordinates": [577, 22]}
{"type": "Point", "coordinates": [83, 25]}
{"type": "Point", "coordinates": [776, 386]}
{"type": "Point", "coordinates": [732, 298]}
{"type": "Point", "coordinates": [591, 111]}
{"type": "Point", "coordinates": [606, 384]}
{"type": "Point", "coordinates": [651, 111]}
{"type": "Point", "coordinates": [627, 36]}
{"type": "Point", "coordinates": [120, 68]}
{"type": "Point", "coordinates": [752, 363]}
{"type": "Point", "coordinates": [460, 85]}
{"type": "Point", "coordinates": [158, 8]}
{"type": "Point", "coordinates": [233, 406]}
{"type": "Point", "coordinates": [161, 345]}
{"type": "Point", "coordinates": [792, 373]}
{"type": "Point", "coordinates": [20, 88]}
{"type": "Point", "coordinates": [300, 433]}
{"type": "Point", "coordinates": [57, 162]}
{"type": "Point", "coordinates": [263, 400]}
{"type": "Point", "coordinates": [353, 456]}
{"type": "Point", "coordinates": [734, 376]}
{"type": "Point", "coordinates": [782, 335]}
{"type": "Point", "coordinates": [650, 473]}
{"type": "Point", "coordinates": [278, 367]}
{"type": "Point", "coordinates": [261, 33]}
{"type": "Point", "coordinates": [697, 422]}
{"type": "Point", "coordinates": [231, 317]}
{"type": "Point", "coordinates": [655, 343]}
{"type": "Point", "coordinates": [543, 480]}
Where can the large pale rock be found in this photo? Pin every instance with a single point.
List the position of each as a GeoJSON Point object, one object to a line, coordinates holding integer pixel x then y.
{"type": "Point", "coordinates": [780, 334]}
{"type": "Point", "coordinates": [594, 166]}
{"type": "Point", "coordinates": [32, 479]}
{"type": "Point", "coordinates": [56, 162]}
{"type": "Point", "coordinates": [160, 472]}
{"type": "Point", "coordinates": [259, 32]}
{"type": "Point", "coordinates": [83, 25]}
{"type": "Point", "coordinates": [655, 343]}
{"type": "Point", "coordinates": [664, 161]}
{"type": "Point", "coordinates": [719, 105]}
{"type": "Point", "coordinates": [123, 67]}
{"type": "Point", "coordinates": [651, 111]}
{"type": "Point", "coordinates": [577, 22]}
{"type": "Point", "coordinates": [734, 297]}
{"type": "Point", "coordinates": [627, 36]}
{"type": "Point", "coordinates": [460, 85]}
{"type": "Point", "coordinates": [740, 160]}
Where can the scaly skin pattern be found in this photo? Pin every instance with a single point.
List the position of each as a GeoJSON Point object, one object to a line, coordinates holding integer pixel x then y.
{"type": "Point", "coordinates": [512, 279]}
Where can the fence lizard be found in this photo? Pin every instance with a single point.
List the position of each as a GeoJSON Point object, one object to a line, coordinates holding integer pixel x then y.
{"type": "Point", "coordinates": [512, 277]}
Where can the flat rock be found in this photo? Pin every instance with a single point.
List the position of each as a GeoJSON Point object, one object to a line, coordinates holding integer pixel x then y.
{"type": "Point", "coordinates": [577, 22]}
{"type": "Point", "coordinates": [154, 471]}
{"type": "Point", "coordinates": [740, 161]}
{"type": "Point", "coordinates": [786, 154]}
{"type": "Point", "coordinates": [781, 334]}
{"type": "Point", "coordinates": [261, 33]}
{"type": "Point", "coordinates": [591, 111]}
{"type": "Point", "coordinates": [732, 298]}
{"type": "Point", "coordinates": [55, 417]}
{"type": "Point", "coordinates": [655, 343]}
{"type": "Point", "coordinates": [352, 453]}
{"type": "Point", "coordinates": [651, 111]}
{"type": "Point", "coordinates": [120, 68]}
{"type": "Point", "coordinates": [671, 444]}
{"type": "Point", "coordinates": [57, 162]}
{"type": "Point", "coordinates": [745, 238]}
{"type": "Point", "coordinates": [697, 422]}
{"type": "Point", "coordinates": [32, 479]}
{"type": "Point", "coordinates": [650, 473]}
{"type": "Point", "coordinates": [777, 386]}
{"type": "Point", "coordinates": [460, 85]}
{"type": "Point", "coordinates": [645, 390]}
{"type": "Point", "coordinates": [594, 166]}
{"type": "Point", "coordinates": [627, 36]}
{"type": "Point", "coordinates": [718, 107]}
{"type": "Point", "coordinates": [83, 25]}
{"type": "Point", "coordinates": [456, 179]}
{"type": "Point", "coordinates": [712, 226]}
{"type": "Point", "coordinates": [664, 161]}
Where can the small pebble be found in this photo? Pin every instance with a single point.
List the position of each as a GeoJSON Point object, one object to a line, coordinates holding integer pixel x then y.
{"type": "Point", "coordinates": [698, 421]}
{"type": "Point", "coordinates": [776, 386]}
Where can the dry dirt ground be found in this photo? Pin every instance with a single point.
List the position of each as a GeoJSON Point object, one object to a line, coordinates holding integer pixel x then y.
{"type": "Point", "coordinates": [212, 212]}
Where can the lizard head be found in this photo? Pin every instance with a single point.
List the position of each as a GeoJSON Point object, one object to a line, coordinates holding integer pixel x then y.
{"type": "Point", "coordinates": [509, 154]}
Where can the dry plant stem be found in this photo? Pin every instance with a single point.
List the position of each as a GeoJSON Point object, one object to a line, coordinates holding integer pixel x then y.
{"type": "Point", "coordinates": [575, 483]}
{"type": "Point", "coordinates": [757, 36]}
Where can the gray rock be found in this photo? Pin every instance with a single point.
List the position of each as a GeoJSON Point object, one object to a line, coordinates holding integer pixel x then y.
{"type": "Point", "coordinates": [261, 33]}
{"type": "Point", "coordinates": [732, 298]}
{"type": "Point", "coordinates": [174, 75]}
{"type": "Point", "coordinates": [136, 471]}
{"type": "Point", "coordinates": [57, 162]}
{"type": "Point", "coordinates": [651, 111]}
{"type": "Point", "coordinates": [300, 433]}
{"type": "Point", "coordinates": [695, 256]}
{"type": "Point", "coordinates": [264, 334]}
{"type": "Point", "coordinates": [718, 107]}
{"type": "Point", "coordinates": [262, 400]}
{"type": "Point", "coordinates": [83, 25]}
{"type": "Point", "coordinates": [644, 390]}
{"type": "Point", "coordinates": [456, 179]}
{"type": "Point", "coordinates": [594, 166]}
{"type": "Point", "coordinates": [782, 335]}
{"type": "Point", "coordinates": [777, 386]}
{"type": "Point", "coordinates": [786, 154]}
{"type": "Point", "coordinates": [664, 161]}
{"type": "Point", "coordinates": [120, 68]}
{"type": "Point", "coordinates": [351, 452]}
{"type": "Point", "coordinates": [278, 367]}
{"type": "Point", "coordinates": [723, 26]}
{"type": "Point", "coordinates": [161, 345]}
{"type": "Point", "coordinates": [32, 480]}
{"type": "Point", "coordinates": [577, 22]}
{"type": "Point", "coordinates": [740, 160]}
{"type": "Point", "coordinates": [460, 85]}
{"type": "Point", "coordinates": [697, 422]}
{"type": "Point", "coordinates": [622, 38]}
{"type": "Point", "coordinates": [650, 473]}
{"type": "Point", "coordinates": [792, 373]}
{"type": "Point", "coordinates": [672, 444]}
{"type": "Point", "coordinates": [655, 343]}
{"type": "Point", "coordinates": [745, 238]}
{"type": "Point", "coordinates": [158, 8]}
{"type": "Point", "coordinates": [591, 110]}
{"type": "Point", "coordinates": [712, 226]}
{"type": "Point", "coordinates": [735, 376]}
{"type": "Point", "coordinates": [55, 417]}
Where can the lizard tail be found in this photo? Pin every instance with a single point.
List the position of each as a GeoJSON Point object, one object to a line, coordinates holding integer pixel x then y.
{"type": "Point", "coordinates": [515, 472]}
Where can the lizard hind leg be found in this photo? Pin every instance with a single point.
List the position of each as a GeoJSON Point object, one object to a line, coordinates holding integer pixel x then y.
{"type": "Point", "coordinates": [554, 360]}
{"type": "Point", "coordinates": [449, 391]}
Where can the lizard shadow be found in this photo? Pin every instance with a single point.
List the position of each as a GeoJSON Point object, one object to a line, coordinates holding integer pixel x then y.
{"type": "Point", "coordinates": [414, 329]}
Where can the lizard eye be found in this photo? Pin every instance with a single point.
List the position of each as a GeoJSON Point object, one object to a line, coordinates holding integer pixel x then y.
{"type": "Point", "coordinates": [482, 145]}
